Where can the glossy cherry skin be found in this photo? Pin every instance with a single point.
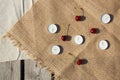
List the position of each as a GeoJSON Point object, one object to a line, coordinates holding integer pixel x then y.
{"type": "Point", "coordinates": [78, 18]}
{"type": "Point", "coordinates": [93, 30]}
{"type": "Point", "coordinates": [79, 62]}
{"type": "Point", "coordinates": [63, 38]}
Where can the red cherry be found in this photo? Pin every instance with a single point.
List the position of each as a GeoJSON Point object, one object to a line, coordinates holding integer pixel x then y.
{"type": "Point", "coordinates": [79, 62]}
{"type": "Point", "coordinates": [93, 30]}
{"type": "Point", "coordinates": [78, 18]}
{"type": "Point", "coordinates": [63, 38]}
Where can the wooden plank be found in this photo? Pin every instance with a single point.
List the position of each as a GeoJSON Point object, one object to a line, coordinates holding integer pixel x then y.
{"type": "Point", "coordinates": [10, 70]}
{"type": "Point", "coordinates": [8, 17]}
{"type": "Point", "coordinates": [44, 75]}
{"type": "Point", "coordinates": [22, 70]}
{"type": "Point", "coordinates": [33, 72]}
{"type": "Point", "coordinates": [8, 52]}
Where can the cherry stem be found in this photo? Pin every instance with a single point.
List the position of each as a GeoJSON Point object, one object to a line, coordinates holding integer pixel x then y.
{"type": "Point", "coordinates": [68, 29]}
{"type": "Point", "coordinates": [82, 10]}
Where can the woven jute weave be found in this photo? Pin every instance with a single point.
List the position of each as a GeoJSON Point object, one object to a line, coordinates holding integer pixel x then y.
{"type": "Point", "coordinates": [30, 35]}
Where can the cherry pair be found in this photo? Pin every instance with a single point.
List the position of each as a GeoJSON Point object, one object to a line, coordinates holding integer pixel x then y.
{"type": "Point", "coordinates": [81, 61]}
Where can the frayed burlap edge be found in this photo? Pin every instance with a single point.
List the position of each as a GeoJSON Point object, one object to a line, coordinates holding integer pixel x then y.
{"type": "Point", "coordinates": [17, 43]}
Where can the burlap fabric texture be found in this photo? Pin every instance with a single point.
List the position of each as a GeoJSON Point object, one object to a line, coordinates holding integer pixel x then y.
{"type": "Point", "coordinates": [30, 34]}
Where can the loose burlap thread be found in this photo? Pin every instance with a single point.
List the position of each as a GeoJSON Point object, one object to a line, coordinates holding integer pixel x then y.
{"type": "Point", "coordinates": [30, 34]}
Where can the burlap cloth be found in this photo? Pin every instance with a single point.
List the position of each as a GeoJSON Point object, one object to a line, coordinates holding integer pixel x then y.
{"type": "Point", "coordinates": [30, 34]}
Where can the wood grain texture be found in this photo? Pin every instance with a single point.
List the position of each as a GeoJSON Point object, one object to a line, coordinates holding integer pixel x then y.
{"type": "Point", "coordinates": [22, 70]}
{"type": "Point", "coordinates": [10, 14]}
{"type": "Point", "coordinates": [10, 70]}
{"type": "Point", "coordinates": [33, 72]}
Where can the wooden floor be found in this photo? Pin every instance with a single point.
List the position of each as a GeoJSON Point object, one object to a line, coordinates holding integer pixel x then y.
{"type": "Point", "coordinates": [16, 70]}
{"type": "Point", "coordinates": [22, 70]}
